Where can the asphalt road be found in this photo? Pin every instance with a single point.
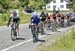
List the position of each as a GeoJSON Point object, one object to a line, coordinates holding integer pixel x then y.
{"type": "Point", "coordinates": [25, 39]}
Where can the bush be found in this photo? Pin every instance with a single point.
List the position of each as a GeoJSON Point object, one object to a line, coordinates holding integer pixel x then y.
{"type": "Point", "coordinates": [5, 17]}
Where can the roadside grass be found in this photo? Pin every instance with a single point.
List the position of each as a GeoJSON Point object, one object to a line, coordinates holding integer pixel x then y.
{"type": "Point", "coordinates": [63, 43]}
{"type": "Point", "coordinates": [24, 18]}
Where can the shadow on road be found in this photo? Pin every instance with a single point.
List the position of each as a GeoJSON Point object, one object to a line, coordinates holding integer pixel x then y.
{"type": "Point", "coordinates": [41, 40]}
{"type": "Point", "coordinates": [20, 38]}
{"type": "Point", "coordinates": [35, 41]}
{"type": "Point", "coordinates": [48, 34]}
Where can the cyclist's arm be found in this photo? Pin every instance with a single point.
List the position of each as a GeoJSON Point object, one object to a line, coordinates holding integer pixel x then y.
{"type": "Point", "coordinates": [9, 21]}
{"type": "Point", "coordinates": [30, 22]}
{"type": "Point", "coordinates": [31, 19]}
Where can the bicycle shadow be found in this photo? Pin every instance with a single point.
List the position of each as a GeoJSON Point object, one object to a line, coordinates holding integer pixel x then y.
{"type": "Point", "coordinates": [20, 39]}
{"type": "Point", "coordinates": [41, 41]}
{"type": "Point", "coordinates": [38, 41]}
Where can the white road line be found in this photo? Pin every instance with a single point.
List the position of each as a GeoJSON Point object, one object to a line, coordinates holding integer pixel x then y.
{"type": "Point", "coordinates": [28, 41]}
{"type": "Point", "coordinates": [20, 44]}
{"type": "Point", "coordinates": [16, 45]}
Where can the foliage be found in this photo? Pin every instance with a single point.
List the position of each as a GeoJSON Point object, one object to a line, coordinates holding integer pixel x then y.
{"type": "Point", "coordinates": [73, 5]}
{"type": "Point", "coordinates": [12, 4]}
{"type": "Point", "coordinates": [64, 43]}
{"type": "Point", "coordinates": [24, 18]}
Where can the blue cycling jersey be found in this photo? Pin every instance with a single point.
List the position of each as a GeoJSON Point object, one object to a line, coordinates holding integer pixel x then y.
{"type": "Point", "coordinates": [35, 20]}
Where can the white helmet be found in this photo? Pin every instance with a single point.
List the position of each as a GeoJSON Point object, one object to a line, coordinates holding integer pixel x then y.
{"type": "Point", "coordinates": [14, 12]}
{"type": "Point", "coordinates": [34, 13]}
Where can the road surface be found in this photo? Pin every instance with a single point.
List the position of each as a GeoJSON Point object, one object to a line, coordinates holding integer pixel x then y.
{"type": "Point", "coordinates": [24, 43]}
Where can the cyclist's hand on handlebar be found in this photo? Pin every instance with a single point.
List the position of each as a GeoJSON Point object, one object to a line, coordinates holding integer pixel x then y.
{"type": "Point", "coordinates": [29, 26]}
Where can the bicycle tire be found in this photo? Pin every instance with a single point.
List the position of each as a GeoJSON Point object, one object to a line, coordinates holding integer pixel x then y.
{"type": "Point", "coordinates": [13, 36]}
{"type": "Point", "coordinates": [34, 33]}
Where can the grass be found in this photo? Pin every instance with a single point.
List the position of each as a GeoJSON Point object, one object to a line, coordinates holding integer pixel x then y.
{"type": "Point", "coordinates": [64, 43]}
{"type": "Point", "coordinates": [24, 18]}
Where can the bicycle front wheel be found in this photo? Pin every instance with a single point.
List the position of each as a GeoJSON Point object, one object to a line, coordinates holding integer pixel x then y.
{"type": "Point", "coordinates": [13, 35]}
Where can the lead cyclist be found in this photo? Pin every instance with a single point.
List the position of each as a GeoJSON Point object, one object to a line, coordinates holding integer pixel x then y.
{"type": "Point", "coordinates": [14, 19]}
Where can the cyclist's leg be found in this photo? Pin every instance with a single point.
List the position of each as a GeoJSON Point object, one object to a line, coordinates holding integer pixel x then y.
{"type": "Point", "coordinates": [37, 33]}
{"type": "Point", "coordinates": [49, 24]}
{"type": "Point", "coordinates": [33, 30]}
{"type": "Point", "coordinates": [17, 29]}
{"type": "Point", "coordinates": [42, 27]}
{"type": "Point", "coordinates": [68, 22]}
{"type": "Point", "coordinates": [63, 24]}
{"type": "Point", "coordinates": [54, 26]}
{"type": "Point", "coordinates": [55, 23]}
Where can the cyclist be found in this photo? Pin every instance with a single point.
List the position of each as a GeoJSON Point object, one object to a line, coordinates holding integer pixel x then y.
{"type": "Point", "coordinates": [49, 21]}
{"type": "Point", "coordinates": [62, 20]}
{"type": "Point", "coordinates": [58, 19]}
{"type": "Point", "coordinates": [42, 23]}
{"type": "Point", "coordinates": [14, 19]}
{"type": "Point", "coordinates": [68, 20]}
{"type": "Point", "coordinates": [55, 20]}
{"type": "Point", "coordinates": [35, 20]}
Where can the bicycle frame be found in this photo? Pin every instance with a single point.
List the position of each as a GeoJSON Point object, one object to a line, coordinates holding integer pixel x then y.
{"type": "Point", "coordinates": [13, 32]}
{"type": "Point", "coordinates": [34, 30]}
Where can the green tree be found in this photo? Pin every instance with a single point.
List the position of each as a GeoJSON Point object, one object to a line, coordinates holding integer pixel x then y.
{"type": "Point", "coordinates": [24, 3]}
{"type": "Point", "coordinates": [73, 5]}
{"type": "Point", "coordinates": [36, 4]}
{"type": "Point", "coordinates": [4, 3]}
{"type": "Point", "coordinates": [14, 4]}
{"type": "Point", "coordinates": [47, 1]}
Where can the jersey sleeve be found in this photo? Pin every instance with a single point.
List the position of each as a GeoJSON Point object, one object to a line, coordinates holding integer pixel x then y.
{"type": "Point", "coordinates": [9, 21]}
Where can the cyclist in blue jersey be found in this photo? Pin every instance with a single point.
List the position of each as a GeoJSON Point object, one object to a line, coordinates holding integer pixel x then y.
{"type": "Point", "coordinates": [35, 20]}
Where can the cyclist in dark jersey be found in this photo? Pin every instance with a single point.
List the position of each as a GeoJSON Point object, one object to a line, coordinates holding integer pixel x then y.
{"type": "Point", "coordinates": [14, 19]}
{"type": "Point", "coordinates": [43, 16]}
{"type": "Point", "coordinates": [43, 22]}
{"type": "Point", "coordinates": [62, 20]}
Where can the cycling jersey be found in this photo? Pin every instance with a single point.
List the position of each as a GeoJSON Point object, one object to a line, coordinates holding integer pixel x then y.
{"type": "Point", "coordinates": [35, 20]}
{"type": "Point", "coordinates": [43, 17]}
{"type": "Point", "coordinates": [15, 19]}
